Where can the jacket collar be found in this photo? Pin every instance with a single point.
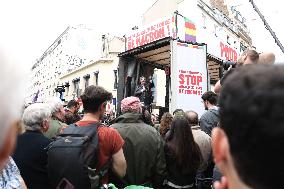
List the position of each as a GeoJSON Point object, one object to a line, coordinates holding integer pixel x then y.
{"type": "Point", "coordinates": [34, 131]}
{"type": "Point", "coordinates": [130, 118]}
{"type": "Point", "coordinates": [195, 127]}
{"type": "Point", "coordinates": [56, 118]}
{"type": "Point", "coordinates": [214, 108]}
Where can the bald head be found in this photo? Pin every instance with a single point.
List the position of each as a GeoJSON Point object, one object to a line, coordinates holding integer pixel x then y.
{"type": "Point", "coordinates": [192, 117]}
{"type": "Point", "coordinates": [267, 58]}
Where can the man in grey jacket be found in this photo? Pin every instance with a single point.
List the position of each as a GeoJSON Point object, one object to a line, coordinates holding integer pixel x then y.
{"type": "Point", "coordinates": [210, 118]}
{"type": "Point", "coordinates": [201, 138]}
{"type": "Point", "coordinates": [143, 148]}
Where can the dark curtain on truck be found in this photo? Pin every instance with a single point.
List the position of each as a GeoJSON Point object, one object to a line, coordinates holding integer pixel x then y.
{"type": "Point", "coordinates": [130, 70]}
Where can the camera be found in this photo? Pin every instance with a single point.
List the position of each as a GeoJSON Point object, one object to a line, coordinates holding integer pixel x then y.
{"type": "Point", "coordinates": [227, 64]}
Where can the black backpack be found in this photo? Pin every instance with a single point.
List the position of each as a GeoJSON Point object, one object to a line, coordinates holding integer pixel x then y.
{"type": "Point", "coordinates": [73, 157]}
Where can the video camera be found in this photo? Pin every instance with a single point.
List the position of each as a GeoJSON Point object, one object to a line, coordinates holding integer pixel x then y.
{"type": "Point", "coordinates": [227, 64]}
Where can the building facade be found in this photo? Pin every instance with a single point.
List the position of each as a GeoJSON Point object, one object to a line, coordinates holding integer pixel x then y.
{"type": "Point", "coordinates": [218, 24]}
{"type": "Point", "coordinates": [75, 48]}
{"type": "Point", "coordinates": [102, 71]}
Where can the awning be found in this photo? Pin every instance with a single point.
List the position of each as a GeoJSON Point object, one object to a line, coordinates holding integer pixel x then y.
{"type": "Point", "coordinates": [157, 52]}
{"type": "Point", "coordinates": [214, 58]}
{"type": "Point", "coordinates": [214, 64]}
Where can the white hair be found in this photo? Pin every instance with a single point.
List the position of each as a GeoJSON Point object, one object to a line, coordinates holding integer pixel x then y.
{"type": "Point", "coordinates": [55, 104]}
{"type": "Point", "coordinates": [12, 92]}
{"type": "Point", "coordinates": [35, 114]}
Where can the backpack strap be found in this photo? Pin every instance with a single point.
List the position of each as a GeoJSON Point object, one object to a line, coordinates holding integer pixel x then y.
{"type": "Point", "coordinates": [96, 176]}
{"type": "Point", "coordinates": [75, 130]}
{"type": "Point", "coordinates": [104, 169]}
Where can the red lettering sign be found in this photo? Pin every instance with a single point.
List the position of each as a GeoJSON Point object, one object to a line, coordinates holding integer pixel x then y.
{"type": "Point", "coordinates": [151, 33]}
{"type": "Point", "coordinates": [190, 82]}
{"type": "Point", "coordinates": [228, 53]}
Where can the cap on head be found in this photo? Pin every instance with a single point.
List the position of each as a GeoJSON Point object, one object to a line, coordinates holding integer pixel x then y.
{"type": "Point", "coordinates": [131, 105]}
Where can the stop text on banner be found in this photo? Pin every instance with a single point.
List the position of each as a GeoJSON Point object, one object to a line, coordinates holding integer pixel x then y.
{"type": "Point", "coordinates": [190, 82]}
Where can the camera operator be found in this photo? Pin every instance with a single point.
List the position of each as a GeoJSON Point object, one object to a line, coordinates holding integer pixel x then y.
{"type": "Point", "coordinates": [248, 57]}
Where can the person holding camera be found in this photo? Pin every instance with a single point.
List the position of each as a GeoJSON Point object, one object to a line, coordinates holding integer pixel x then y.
{"type": "Point", "coordinates": [248, 57]}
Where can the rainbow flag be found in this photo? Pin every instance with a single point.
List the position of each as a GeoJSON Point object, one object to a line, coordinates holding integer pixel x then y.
{"type": "Point", "coordinates": [190, 31]}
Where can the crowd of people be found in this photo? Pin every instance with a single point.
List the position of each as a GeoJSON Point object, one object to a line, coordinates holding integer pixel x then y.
{"type": "Point", "coordinates": [235, 144]}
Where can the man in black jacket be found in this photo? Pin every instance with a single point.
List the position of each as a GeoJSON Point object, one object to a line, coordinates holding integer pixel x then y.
{"type": "Point", "coordinates": [143, 92]}
{"type": "Point", "coordinates": [211, 117]}
{"type": "Point", "coordinates": [31, 153]}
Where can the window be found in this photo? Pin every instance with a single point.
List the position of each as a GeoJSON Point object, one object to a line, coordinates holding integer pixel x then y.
{"type": "Point", "coordinates": [115, 85]}
{"type": "Point", "coordinates": [225, 21]}
{"type": "Point", "coordinates": [204, 21]}
{"type": "Point", "coordinates": [87, 78]}
{"type": "Point", "coordinates": [215, 30]}
{"type": "Point", "coordinates": [67, 88]}
{"type": "Point", "coordinates": [76, 83]}
{"type": "Point", "coordinates": [235, 45]}
{"type": "Point", "coordinates": [87, 82]}
{"type": "Point", "coordinates": [228, 40]}
{"type": "Point", "coordinates": [242, 47]}
{"type": "Point", "coordinates": [239, 16]}
{"type": "Point", "coordinates": [97, 77]}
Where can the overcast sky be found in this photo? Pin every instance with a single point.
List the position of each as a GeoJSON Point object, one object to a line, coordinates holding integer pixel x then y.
{"type": "Point", "coordinates": [271, 10]}
{"type": "Point", "coordinates": [29, 27]}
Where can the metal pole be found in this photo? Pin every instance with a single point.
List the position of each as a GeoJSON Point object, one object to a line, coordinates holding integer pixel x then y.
{"type": "Point", "coordinates": [267, 26]}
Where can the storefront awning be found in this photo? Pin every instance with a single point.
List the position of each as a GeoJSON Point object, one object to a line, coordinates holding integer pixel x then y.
{"type": "Point", "coordinates": [214, 65]}
{"type": "Point", "coordinates": [157, 52]}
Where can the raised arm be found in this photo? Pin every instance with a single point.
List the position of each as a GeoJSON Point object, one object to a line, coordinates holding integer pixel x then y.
{"type": "Point", "coordinates": [217, 87]}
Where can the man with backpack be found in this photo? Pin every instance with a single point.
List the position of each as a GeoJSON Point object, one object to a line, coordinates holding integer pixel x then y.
{"type": "Point", "coordinates": [80, 157]}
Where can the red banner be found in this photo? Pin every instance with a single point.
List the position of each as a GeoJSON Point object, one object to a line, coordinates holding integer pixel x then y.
{"type": "Point", "coordinates": [154, 32]}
